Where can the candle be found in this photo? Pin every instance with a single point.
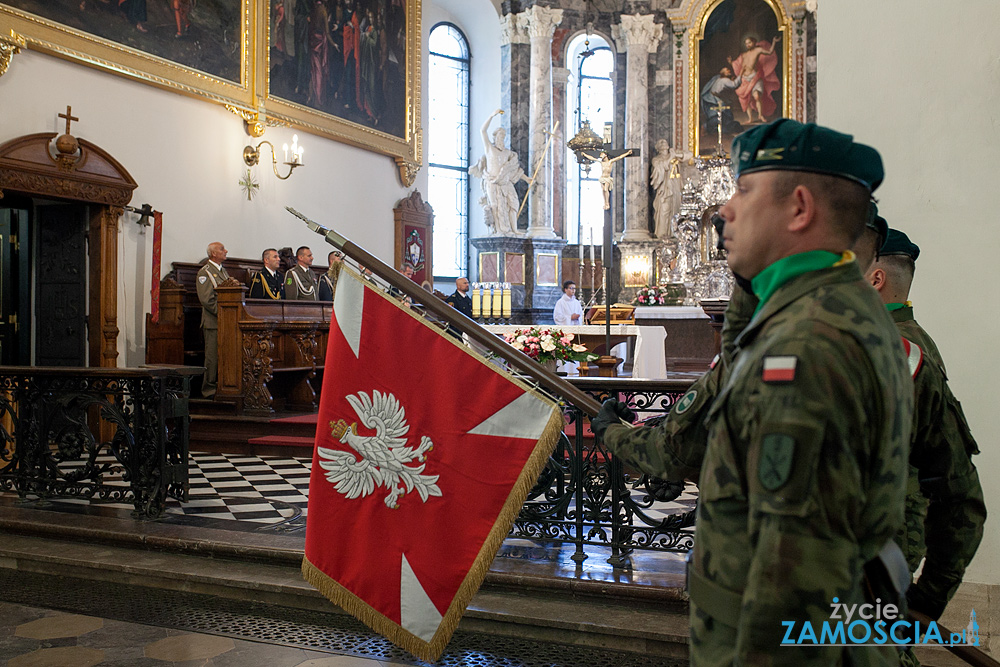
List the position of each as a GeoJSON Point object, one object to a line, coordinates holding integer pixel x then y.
{"type": "Point", "coordinates": [476, 300]}
{"type": "Point", "coordinates": [505, 303]}
{"type": "Point", "coordinates": [581, 251]}
{"type": "Point", "coordinates": [487, 301]}
{"type": "Point", "coordinates": [592, 246]}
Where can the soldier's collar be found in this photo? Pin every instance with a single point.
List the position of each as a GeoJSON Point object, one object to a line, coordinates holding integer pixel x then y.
{"type": "Point", "coordinates": [844, 270]}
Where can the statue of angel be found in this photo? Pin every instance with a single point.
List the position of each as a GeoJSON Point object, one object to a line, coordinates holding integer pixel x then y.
{"type": "Point", "coordinates": [499, 170]}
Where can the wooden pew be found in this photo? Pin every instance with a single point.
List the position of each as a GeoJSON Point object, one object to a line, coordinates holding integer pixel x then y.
{"type": "Point", "coordinates": [268, 350]}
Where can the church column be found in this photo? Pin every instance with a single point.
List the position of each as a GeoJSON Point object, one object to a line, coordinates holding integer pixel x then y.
{"type": "Point", "coordinates": [541, 23]}
{"type": "Point", "coordinates": [642, 36]}
{"type": "Point", "coordinates": [514, 63]}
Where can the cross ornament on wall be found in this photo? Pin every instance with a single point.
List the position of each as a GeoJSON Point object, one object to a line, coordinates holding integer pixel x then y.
{"type": "Point", "coordinates": [69, 117]}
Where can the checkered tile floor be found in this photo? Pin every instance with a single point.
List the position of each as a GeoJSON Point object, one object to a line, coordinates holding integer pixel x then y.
{"type": "Point", "coordinates": [272, 490]}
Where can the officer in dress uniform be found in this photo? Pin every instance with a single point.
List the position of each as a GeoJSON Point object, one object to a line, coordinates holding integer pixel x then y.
{"type": "Point", "coordinates": [945, 509]}
{"type": "Point", "coordinates": [268, 283]}
{"type": "Point", "coordinates": [210, 276]}
{"type": "Point", "coordinates": [460, 299]}
{"type": "Point", "coordinates": [300, 281]}
{"type": "Point", "coordinates": [328, 281]}
{"type": "Point", "coordinates": [798, 434]}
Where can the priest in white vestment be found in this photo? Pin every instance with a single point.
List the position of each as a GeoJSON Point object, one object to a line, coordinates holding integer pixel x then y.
{"type": "Point", "coordinates": [568, 311]}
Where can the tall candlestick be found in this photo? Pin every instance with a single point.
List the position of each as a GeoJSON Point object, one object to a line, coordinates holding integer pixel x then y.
{"type": "Point", "coordinates": [505, 302]}
{"type": "Point", "coordinates": [477, 298]}
{"type": "Point", "coordinates": [487, 301]}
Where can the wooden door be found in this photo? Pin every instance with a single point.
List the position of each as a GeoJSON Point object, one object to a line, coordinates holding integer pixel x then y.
{"type": "Point", "coordinates": [15, 287]}
{"type": "Point", "coordinates": [61, 285]}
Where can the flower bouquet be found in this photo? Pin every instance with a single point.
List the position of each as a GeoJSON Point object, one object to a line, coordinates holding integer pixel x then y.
{"type": "Point", "coordinates": [656, 295]}
{"type": "Point", "coordinates": [543, 345]}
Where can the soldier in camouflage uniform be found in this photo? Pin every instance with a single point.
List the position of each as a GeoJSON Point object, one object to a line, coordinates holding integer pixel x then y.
{"type": "Point", "coordinates": [800, 436]}
{"type": "Point", "coordinates": [945, 509]}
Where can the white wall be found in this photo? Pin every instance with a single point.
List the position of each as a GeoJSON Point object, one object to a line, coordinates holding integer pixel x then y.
{"type": "Point", "coordinates": [920, 81]}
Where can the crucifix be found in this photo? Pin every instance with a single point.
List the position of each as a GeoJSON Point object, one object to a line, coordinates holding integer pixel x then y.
{"type": "Point", "coordinates": [69, 117]}
{"type": "Point", "coordinates": [608, 156]}
{"type": "Point", "coordinates": [718, 109]}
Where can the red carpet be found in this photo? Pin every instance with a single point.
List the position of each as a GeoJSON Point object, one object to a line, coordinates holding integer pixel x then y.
{"type": "Point", "coordinates": [300, 419]}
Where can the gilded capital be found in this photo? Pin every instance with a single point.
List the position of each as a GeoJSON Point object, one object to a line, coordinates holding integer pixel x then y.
{"type": "Point", "coordinates": [541, 22]}
{"type": "Point", "coordinates": [9, 46]}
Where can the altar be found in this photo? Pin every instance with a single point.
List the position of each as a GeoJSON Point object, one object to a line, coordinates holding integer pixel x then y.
{"type": "Point", "coordinates": [643, 344]}
{"type": "Point", "coordinates": [690, 341]}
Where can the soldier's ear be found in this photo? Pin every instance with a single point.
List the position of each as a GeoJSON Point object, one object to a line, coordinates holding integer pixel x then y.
{"type": "Point", "coordinates": [877, 278]}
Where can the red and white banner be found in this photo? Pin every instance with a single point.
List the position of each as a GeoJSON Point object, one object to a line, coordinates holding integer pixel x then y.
{"type": "Point", "coordinates": [424, 455]}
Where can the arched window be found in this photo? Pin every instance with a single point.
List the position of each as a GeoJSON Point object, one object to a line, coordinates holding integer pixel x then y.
{"type": "Point", "coordinates": [448, 149]}
{"type": "Point", "coordinates": [592, 97]}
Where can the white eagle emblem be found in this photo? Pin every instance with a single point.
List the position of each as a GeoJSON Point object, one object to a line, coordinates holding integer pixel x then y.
{"type": "Point", "coordinates": [383, 456]}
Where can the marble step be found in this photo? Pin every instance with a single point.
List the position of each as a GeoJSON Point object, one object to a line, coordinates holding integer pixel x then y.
{"type": "Point", "coordinates": [509, 606]}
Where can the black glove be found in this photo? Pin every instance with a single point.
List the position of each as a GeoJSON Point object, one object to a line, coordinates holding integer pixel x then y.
{"type": "Point", "coordinates": [612, 412]}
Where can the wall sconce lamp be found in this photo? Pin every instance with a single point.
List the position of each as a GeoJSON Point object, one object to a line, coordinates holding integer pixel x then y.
{"type": "Point", "coordinates": [251, 156]}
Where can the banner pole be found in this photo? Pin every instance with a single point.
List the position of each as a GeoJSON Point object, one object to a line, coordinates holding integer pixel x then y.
{"type": "Point", "coordinates": [457, 320]}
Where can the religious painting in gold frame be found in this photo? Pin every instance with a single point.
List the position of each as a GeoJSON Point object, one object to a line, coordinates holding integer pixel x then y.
{"type": "Point", "coordinates": [740, 56]}
{"type": "Point", "coordinates": [206, 53]}
{"type": "Point", "coordinates": [355, 81]}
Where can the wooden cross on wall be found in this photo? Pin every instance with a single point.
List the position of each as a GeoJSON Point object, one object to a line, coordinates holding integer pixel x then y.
{"type": "Point", "coordinates": [69, 117]}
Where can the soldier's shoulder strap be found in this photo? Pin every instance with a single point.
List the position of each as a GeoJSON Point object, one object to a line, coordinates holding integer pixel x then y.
{"type": "Point", "coordinates": [914, 356]}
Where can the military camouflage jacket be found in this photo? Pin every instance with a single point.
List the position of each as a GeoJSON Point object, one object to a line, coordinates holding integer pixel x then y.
{"type": "Point", "coordinates": [803, 472]}
{"type": "Point", "coordinates": [945, 508]}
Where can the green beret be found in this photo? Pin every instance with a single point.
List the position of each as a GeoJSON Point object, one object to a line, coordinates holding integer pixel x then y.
{"type": "Point", "coordinates": [898, 243]}
{"type": "Point", "coordinates": [789, 144]}
{"type": "Point", "coordinates": [877, 224]}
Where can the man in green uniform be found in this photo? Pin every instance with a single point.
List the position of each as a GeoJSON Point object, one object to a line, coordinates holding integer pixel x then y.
{"type": "Point", "coordinates": [801, 438]}
{"type": "Point", "coordinates": [945, 509]}
{"type": "Point", "coordinates": [210, 275]}
{"type": "Point", "coordinates": [300, 281]}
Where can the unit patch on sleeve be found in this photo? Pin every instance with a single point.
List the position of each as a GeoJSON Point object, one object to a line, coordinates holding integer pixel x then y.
{"type": "Point", "coordinates": [779, 369]}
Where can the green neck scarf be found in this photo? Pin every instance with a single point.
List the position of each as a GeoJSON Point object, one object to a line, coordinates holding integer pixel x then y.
{"type": "Point", "coordinates": [767, 282]}
{"type": "Point", "coordinates": [898, 306]}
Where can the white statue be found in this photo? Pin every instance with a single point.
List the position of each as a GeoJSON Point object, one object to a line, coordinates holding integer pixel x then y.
{"type": "Point", "coordinates": [499, 170]}
{"type": "Point", "coordinates": [665, 177]}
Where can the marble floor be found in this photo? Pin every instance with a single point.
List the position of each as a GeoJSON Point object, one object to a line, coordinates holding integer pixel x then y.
{"type": "Point", "coordinates": [36, 637]}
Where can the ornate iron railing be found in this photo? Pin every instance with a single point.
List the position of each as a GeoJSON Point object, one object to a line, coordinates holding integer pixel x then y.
{"type": "Point", "coordinates": [584, 493]}
{"type": "Point", "coordinates": [58, 424]}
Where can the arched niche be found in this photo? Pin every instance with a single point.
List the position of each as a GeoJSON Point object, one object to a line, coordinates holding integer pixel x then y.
{"type": "Point", "coordinates": [83, 173]}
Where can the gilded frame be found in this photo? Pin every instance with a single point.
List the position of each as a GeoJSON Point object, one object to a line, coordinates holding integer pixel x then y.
{"type": "Point", "coordinates": [406, 149]}
{"type": "Point", "coordinates": [517, 256]}
{"type": "Point", "coordinates": [250, 97]}
{"type": "Point", "coordinates": [549, 258]}
{"type": "Point", "coordinates": [48, 36]}
{"type": "Point", "coordinates": [482, 255]}
{"type": "Point", "coordinates": [694, 62]}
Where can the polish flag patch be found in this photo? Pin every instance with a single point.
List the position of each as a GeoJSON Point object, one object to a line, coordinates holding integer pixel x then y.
{"type": "Point", "coordinates": [779, 369]}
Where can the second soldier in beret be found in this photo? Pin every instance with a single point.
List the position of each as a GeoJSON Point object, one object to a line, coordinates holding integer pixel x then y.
{"type": "Point", "coordinates": [800, 449]}
{"type": "Point", "coordinates": [945, 509]}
